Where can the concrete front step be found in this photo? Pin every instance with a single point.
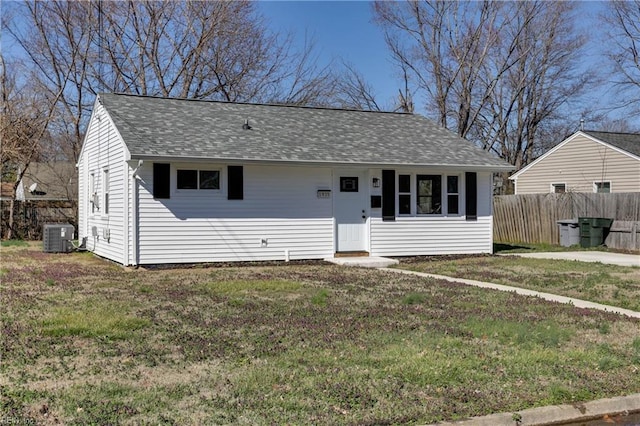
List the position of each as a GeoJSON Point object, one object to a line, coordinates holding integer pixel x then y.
{"type": "Point", "coordinates": [363, 262]}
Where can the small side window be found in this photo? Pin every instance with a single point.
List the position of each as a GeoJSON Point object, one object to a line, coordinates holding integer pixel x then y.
{"type": "Point", "coordinates": [161, 180]}
{"type": "Point", "coordinates": [602, 187]}
{"type": "Point", "coordinates": [558, 188]}
{"type": "Point", "coordinates": [235, 183]}
{"type": "Point", "coordinates": [348, 184]}
{"type": "Point", "coordinates": [92, 192]}
{"type": "Point", "coordinates": [471, 195]}
{"type": "Point", "coordinates": [404, 194]}
{"type": "Point", "coordinates": [453, 195]}
{"type": "Point", "coordinates": [105, 191]}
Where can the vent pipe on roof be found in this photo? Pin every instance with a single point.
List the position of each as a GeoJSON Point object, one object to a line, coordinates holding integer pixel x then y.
{"type": "Point", "coordinates": [246, 125]}
{"type": "Point", "coordinates": [582, 124]}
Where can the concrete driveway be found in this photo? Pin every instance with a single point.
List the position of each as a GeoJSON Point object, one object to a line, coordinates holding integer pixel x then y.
{"type": "Point", "coordinates": [585, 256]}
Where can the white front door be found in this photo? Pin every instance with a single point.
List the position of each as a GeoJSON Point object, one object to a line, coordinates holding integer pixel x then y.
{"type": "Point", "coordinates": [351, 211]}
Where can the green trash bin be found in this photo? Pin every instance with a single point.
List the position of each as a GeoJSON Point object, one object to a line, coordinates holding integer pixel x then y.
{"type": "Point", "coordinates": [593, 230]}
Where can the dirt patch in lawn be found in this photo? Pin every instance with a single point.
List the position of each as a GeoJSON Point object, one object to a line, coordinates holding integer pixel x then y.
{"type": "Point", "coordinates": [295, 344]}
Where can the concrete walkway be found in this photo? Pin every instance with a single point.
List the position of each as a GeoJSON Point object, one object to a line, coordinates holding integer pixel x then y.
{"type": "Point", "coordinates": [585, 256]}
{"type": "Point", "coordinates": [546, 296]}
{"type": "Point", "coordinates": [363, 261]}
{"type": "Point", "coordinates": [602, 409]}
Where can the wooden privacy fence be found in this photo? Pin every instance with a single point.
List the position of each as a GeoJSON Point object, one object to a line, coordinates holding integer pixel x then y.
{"type": "Point", "coordinates": [532, 218]}
{"type": "Point", "coordinates": [30, 216]}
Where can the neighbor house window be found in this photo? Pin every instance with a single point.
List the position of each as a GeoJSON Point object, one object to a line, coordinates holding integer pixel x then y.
{"type": "Point", "coordinates": [453, 195]}
{"type": "Point", "coordinates": [558, 188]}
{"type": "Point", "coordinates": [105, 191]}
{"type": "Point", "coordinates": [429, 194]}
{"type": "Point", "coordinates": [604, 187]}
{"type": "Point", "coordinates": [198, 179]}
{"type": "Point", "coordinates": [404, 194]}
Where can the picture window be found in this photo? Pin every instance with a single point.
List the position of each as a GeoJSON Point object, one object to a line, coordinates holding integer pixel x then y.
{"type": "Point", "coordinates": [429, 190]}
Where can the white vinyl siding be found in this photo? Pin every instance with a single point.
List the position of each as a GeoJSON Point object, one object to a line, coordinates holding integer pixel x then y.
{"type": "Point", "coordinates": [280, 206]}
{"type": "Point", "coordinates": [411, 236]}
{"type": "Point", "coordinates": [282, 214]}
{"type": "Point", "coordinates": [579, 163]}
{"type": "Point", "coordinates": [434, 235]}
{"type": "Point", "coordinates": [103, 150]}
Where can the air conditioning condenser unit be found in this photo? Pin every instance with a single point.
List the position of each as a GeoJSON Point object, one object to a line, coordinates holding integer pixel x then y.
{"type": "Point", "coordinates": [57, 237]}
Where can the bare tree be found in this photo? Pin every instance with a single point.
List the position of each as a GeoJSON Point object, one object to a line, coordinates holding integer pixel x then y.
{"type": "Point", "coordinates": [526, 107]}
{"type": "Point", "coordinates": [447, 46]}
{"type": "Point", "coordinates": [25, 115]}
{"type": "Point", "coordinates": [623, 18]}
{"type": "Point", "coordinates": [57, 40]}
{"type": "Point", "coordinates": [188, 49]}
{"type": "Point", "coordinates": [497, 73]}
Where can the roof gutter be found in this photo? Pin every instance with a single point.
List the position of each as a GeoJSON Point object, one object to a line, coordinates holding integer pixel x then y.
{"type": "Point", "coordinates": [495, 168]}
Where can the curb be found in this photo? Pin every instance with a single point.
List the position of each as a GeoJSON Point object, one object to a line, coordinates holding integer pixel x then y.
{"type": "Point", "coordinates": [561, 414]}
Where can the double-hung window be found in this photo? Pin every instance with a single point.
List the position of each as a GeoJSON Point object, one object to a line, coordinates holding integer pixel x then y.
{"type": "Point", "coordinates": [198, 179]}
{"type": "Point", "coordinates": [105, 191]}
{"type": "Point", "coordinates": [453, 195]}
{"type": "Point", "coordinates": [404, 194]}
{"type": "Point", "coordinates": [92, 192]}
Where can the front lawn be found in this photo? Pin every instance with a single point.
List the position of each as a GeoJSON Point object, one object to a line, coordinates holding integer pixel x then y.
{"type": "Point", "coordinates": [87, 342]}
{"type": "Point", "coordinates": [607, 284]}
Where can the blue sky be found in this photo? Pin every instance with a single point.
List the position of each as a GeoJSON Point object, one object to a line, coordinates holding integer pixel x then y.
{"type": "Point", "coordinates": [345, 29]}
{"type": "Point", "coordinates": [342, 30]}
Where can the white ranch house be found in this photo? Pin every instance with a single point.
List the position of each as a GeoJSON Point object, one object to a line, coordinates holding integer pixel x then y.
{"type": "Point", "coordinates": [184, 181]}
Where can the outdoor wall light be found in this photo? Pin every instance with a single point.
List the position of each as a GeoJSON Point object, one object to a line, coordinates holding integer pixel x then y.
{"type": "Point", "coordinates": [376, 182]}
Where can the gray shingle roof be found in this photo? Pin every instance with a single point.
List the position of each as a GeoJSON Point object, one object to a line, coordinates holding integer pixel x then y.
{"type": "Point", "coordinates": [178, 128]}
{"type": "Point", "coordinates": [629, 142]}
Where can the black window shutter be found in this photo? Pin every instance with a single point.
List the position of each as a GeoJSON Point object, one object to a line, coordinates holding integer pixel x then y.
{"type": "Point", "coordinates": [235, 183]}
{"type": "Point", "coordinates": [161, 180]}
{"type": "Point", "coordinates": [471, 195]}
{"type": "Point", "coordinates": [388, 195]}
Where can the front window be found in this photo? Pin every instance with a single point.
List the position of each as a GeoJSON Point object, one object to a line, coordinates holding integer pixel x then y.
{"type": "Point", "coordinates": [453, 195]}
{"type": "Point", "coordinates": [429, 190]}
{"type": "Point", "coordinates": [602, 187]}
{"type": "Point", "coordinates": [198, 179]}
{"type": "Point", "coordinates": [404, 194]}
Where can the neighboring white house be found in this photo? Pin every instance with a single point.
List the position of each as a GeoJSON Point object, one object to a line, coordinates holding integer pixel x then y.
{"type": "Point", "coordinates": [587, 161]}
{"type": "Point", "coordinates": [182, 181]}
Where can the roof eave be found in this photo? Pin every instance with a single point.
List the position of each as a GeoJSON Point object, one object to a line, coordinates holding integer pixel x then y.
{"type": "Point", "coordinates": [487, 167]}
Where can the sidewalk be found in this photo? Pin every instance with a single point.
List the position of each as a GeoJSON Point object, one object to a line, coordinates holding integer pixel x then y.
{"type": "Point", "coordinates": [585, 256]}
{"type": "Point", "coordinates": [546, 296]}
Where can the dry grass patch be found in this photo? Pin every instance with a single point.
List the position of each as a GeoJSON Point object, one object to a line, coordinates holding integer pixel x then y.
{"type": "Point", "coordinates": [290, 344]}
{"type": "Point", "coordinates": [607, 284]}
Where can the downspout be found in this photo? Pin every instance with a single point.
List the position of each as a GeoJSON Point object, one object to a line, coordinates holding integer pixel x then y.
{"type": "Point", "coordinates": [125, 217]}
{"type": "Point", "coordinates": [134, 215]}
